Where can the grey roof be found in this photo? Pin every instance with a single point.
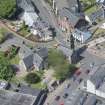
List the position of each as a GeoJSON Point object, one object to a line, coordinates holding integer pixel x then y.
{"type": "Point", "coordinates": [42, 52]}
{"type": "Point", "coordinates": [37, 60]}
{"type": "Point", "coordinates": [72, 18]}
{"type": "Point", "coordinates": [24, 51]}
{"type": "Point", "coordinates": [32, 59]}
{"type": "Point", "coordinates": [77, 34]}
{"type": "Point", "coordinates": [98, 77]}
{"type": "Point", "coordinates": [26, 5]}
{"type": "Point", "coordinates": [13, 98]}
{"type": "Point", "coordinates": [76, 98]}
{"type": "Point", "coordinates": [28, 61]}
{"type": "Point", "coordinates": [28, 90]}
{"type": "Point", "coordinates": [66, 51]}
{"type": "Point", "coordinates": [65, 3]}
{"type": "Point", "coordinates": [91, 100]}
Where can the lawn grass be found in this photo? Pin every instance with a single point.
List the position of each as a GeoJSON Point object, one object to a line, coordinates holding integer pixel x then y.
{"type": "Point", "coordinates": [38, 85]}
{"type": "Point", "coordinates": [99, 32]}
{"type": "Point", "coordinates": [91, 10]}
{"type": "Point", "coordinates": [24, 32]}
{"type": "Point", "coordinates": [2, 34]}
{"type": "Point", "coordinates": [15, 60]}
{"type": "Point", "coordinates": [17, 80]}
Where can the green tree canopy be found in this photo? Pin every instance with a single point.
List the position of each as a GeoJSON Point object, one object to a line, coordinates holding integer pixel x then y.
{"type": "Point", "coordinates": [6, 71]}
{"type": "Point", "coordinates": [62, 68]}
{"type": "Point", "coordinates": [32, 78]}
{"type": "Point", "coordinates": [7, 7]}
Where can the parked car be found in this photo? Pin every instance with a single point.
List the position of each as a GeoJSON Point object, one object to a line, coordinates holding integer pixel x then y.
{"type": "Point", "coordinates": [68, 85]}
{"type": "Point", "coordinates": [87, 71]}
{"type": "Point", "coordinates": [80, 80]}
{"type": "Point", "coordinates": [78, 72]}
{"type": "Point", "coordinates": [57, 98]}
{"type": "Point", "coordinates": [65, 95]}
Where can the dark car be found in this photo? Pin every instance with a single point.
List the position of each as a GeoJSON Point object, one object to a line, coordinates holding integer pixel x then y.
{"type": "Point", "coordinates": [65, 95]}
{"type": "Point", "coordinates": [87, 71]}
{"type": "Point", "coordinates": [80, 80]}
{"type": "Point", "coordinates": [57, 98]}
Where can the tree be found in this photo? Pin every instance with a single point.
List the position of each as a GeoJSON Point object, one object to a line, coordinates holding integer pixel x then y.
{"type": "Point", "coordinates": [7, 7]}
{"type": "Point", "coordinates": [64, 71]}
{"type": "Point", "coordinates": [6, 71]}
{"type": "Point", "coordinates": [32, 78]}
{"type": "Point", "coordinates": [92, 1]}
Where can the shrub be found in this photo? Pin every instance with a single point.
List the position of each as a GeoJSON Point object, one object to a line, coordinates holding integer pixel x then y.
{"type": "Point", "coordinates": [32, 78]}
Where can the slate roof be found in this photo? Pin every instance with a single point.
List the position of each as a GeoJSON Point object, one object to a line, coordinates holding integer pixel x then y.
{"type": "Point", "coordinates": [76, 98]}
{"type": "Point", "coordinates": [98, 77]}
{"type": "Point", "coordinates": [42, 52]}
{"type": "Point", "coordinates": [28, 90]}
{"type": "Point", "coordinates": [35, 58]}
{"type": "Point", "coordinates": [26, 5]}
{"type": "Point", "coordinates": [13, 98]}
{"type": "Point", "coordinates": [91, 100]}
{"type": "Point", "coordinates": [72, 18]}
{"type": "Point", "coordinates": [65, 3]}
{"type": "Point", "coordinates": [66, 51]}
{"type": "Point", "coordinates": [28, 61]}
{"type": "Point", "coordinates": [24, 51]}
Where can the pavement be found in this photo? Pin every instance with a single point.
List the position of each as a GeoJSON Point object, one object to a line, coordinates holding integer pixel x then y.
{"type": "Point", "coordinates": [73, 90]}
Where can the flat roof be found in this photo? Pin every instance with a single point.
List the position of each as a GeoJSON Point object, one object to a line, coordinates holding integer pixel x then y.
{"type": "Point", "coordinates": [14, 98]}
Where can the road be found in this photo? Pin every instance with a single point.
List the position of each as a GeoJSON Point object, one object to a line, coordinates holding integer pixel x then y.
{"type": "Point", "coordinates": [74, 91]}
{"type": "Point", "coordinates": [28, 42]}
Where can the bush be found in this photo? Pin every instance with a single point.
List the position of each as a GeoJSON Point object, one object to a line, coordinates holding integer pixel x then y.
{"type": "Point", "coordinates": [6, 72]}
{"type": "Point", "coordinates": [32, 78]}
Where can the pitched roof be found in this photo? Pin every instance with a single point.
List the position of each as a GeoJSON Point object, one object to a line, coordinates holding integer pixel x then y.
{"type": "Point", "coordinates": [77, 34]}
{"type": "Point", "coordinates": [14, 98]}
{"type": "Point", "coordinates": [91, 100]}
{"type": "Point", "coordinates": [28, 90]}
{"type": "Point", "coordinates": [72, 18]}
{"type": "Point", "coordinates": [65, 3]}
{"type": "Point", "coordinates": [28, 61]}
{"type": "Point", "coordinates": [66, 51]}
{"type": "Point", "coordinates": [35, 58]}
{"type": "Point", "coordinates": [42, 52]}
{"type": "Point", "coordinates": [26, 5]}
{"type": "Point", "coordinates": [97, 78]}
